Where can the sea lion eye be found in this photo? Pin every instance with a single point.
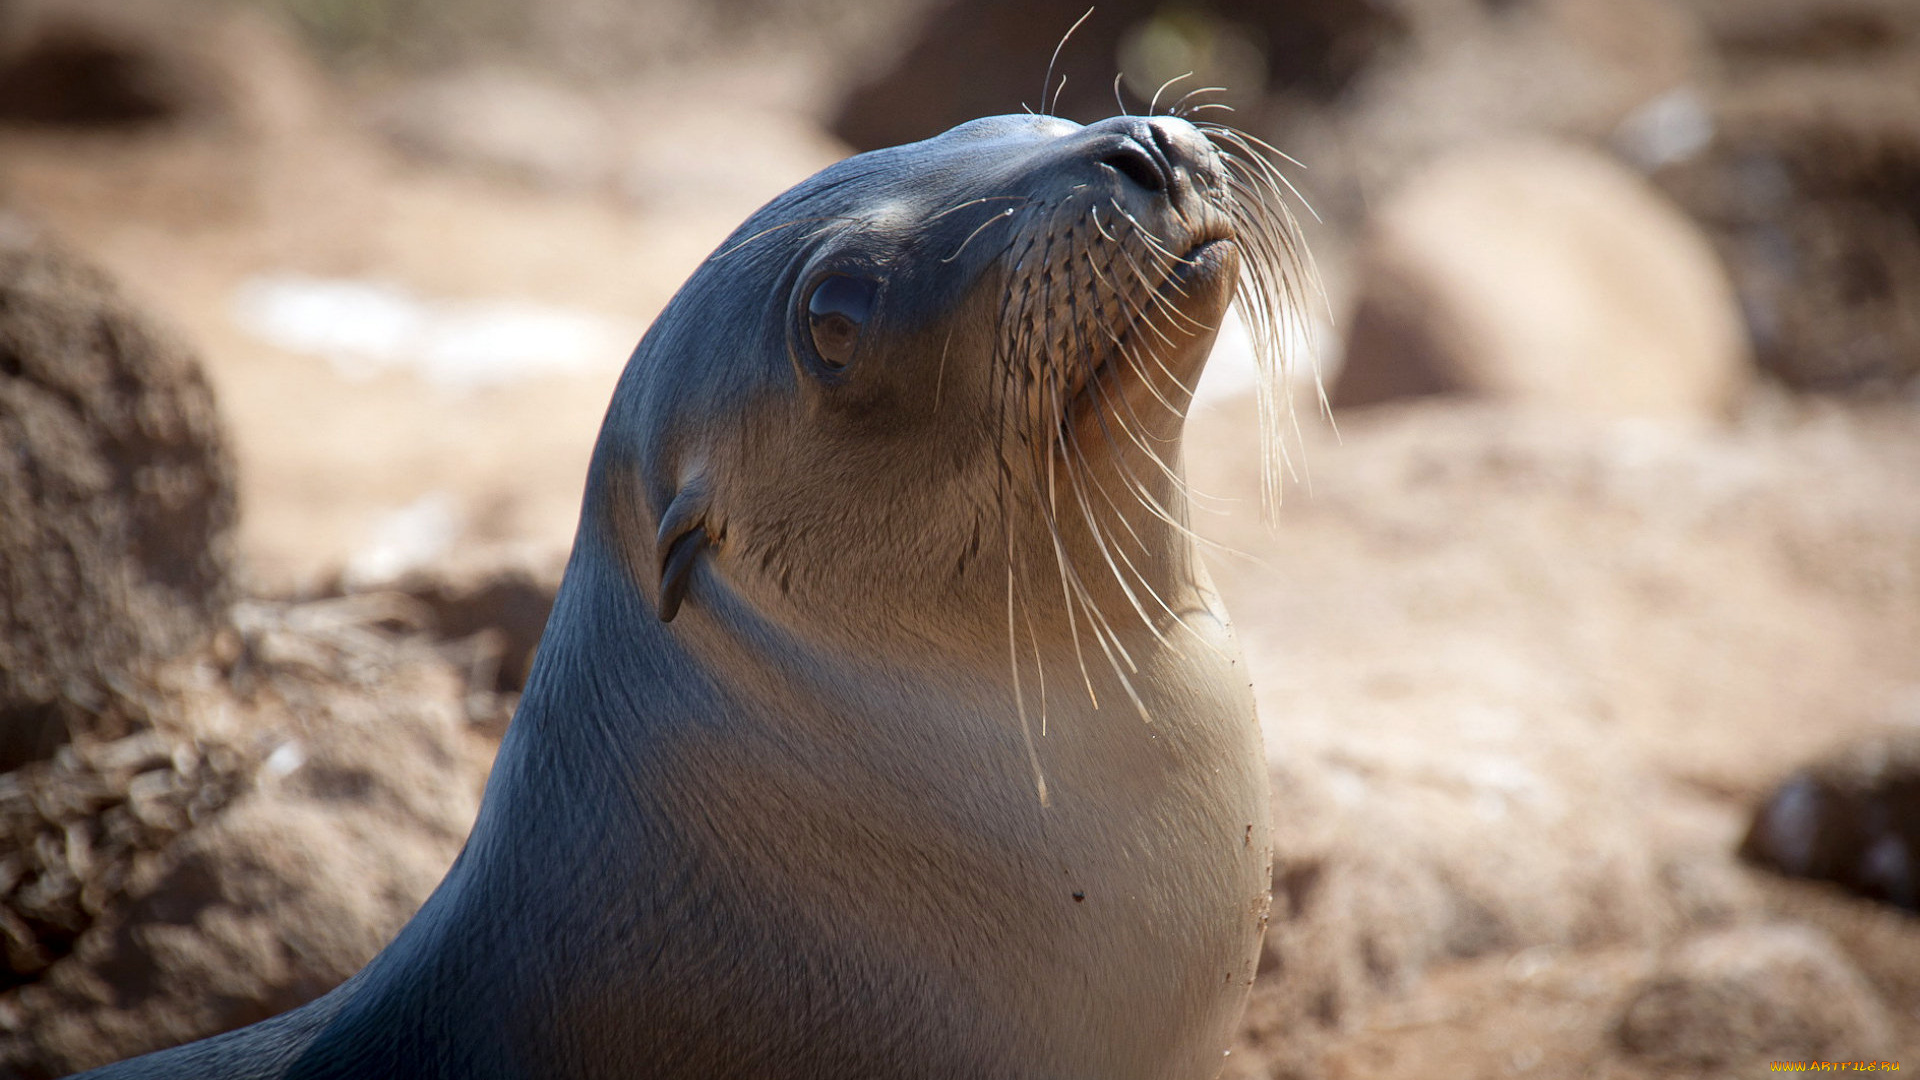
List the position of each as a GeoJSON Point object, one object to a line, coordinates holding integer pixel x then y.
{"type": "Point", "coordinates": [836, 310]}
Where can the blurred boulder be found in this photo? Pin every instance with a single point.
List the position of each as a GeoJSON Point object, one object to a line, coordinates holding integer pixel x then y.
{"type": "Point", "coordinates": [116, 500]}
{"type": "Point", "coordinates": [349, 777]}
{"type": "Point", "coordinates": [605, 43]}
{"type": "Point", "coordinates": [103, 63]}
{"type": "Point", "coordinates": [987, 58]}
{"type": "Point", "coordinates": [1852, 819]}
{"type": "Point", "coordinates": [1546, 275]}
{"type": "Point", "coordinates": [485, 612]}
{"type": "Point", "coordinates": [1472, 72]}
{"type": "Point", "coordinates": [1514, 666]}
{"type": "Point", "coordinates": [1731, 999]}
{"type": "Point", "coordinates": [1763, 31]}
{"type": "Point", "coordinates": [1811, 191]}
{"type": "Point", "coordinates": [1882, 942]}
{"type": "Point", "coordinates": [507, 599]}
{"type": "Point", "coordinates": [73, 829]}
{"type": "Point", "coordinates": [1453, 825]}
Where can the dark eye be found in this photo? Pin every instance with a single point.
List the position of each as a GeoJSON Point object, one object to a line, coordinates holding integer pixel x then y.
{"type": "Point", "coordinates": [836, 310]}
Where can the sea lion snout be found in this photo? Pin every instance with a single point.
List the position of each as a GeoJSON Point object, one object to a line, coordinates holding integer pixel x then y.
{"type": "Point", "coordinates": [1160, 155]}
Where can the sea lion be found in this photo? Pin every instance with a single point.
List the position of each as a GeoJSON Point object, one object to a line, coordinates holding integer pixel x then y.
{"type": "Point", "coordinates": [886, 724]}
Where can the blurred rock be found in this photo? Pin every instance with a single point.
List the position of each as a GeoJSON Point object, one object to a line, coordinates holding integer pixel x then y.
{"type": "Point", "coordinates": [1749, 31]}
{"type": "Point", "coordinates": [1733, 999]}
{"type": "Point", "coordinates": [250, 800]}
{"type": "Point", "coordinates": [1546, 275]}
{"type": "Point", "coordinates": [1351, 922]}
{"type": "Point", "coordinates": [353, 778]}
{"type": "Point", "coordinates": [510, 598]}
{"type": "Point", "coordinates": [116, 500]}
{"type": "Point", "coordinates": [1480, 839]}
{"type": "Point", "coordinates": [73, 829]}
{"type": "Point", "coordinates": [1811, 191]}
{"type": "Point", "coordinates": [975, 59]}
{"type": "Point", "coordinates": [1474, 72]}
{"type": "Point", "coordinates": [487, 611]}
{"type": "Point", "coordinates": [602, 42]}
{"type": "Point", "coordinates": [102, 63]}
{"type": "Point", "coordinates": [1882, 942]}
{"type": "Point", "coordinates": [1852, 819]}
{"type": "Point", "coordinates": [1693, 594]}
{"type": "Point", "coordinates": [1517, 670]}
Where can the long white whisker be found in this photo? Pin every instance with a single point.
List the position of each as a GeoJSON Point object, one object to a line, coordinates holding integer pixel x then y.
{"type": "Point", "coordinates": [1155, 103]}
{"type": "Point", "coordinates": [1048, 81]}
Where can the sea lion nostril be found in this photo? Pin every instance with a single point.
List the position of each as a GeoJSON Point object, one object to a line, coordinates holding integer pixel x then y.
{"type": "Point", "coordinates": [1181, 147]}
{"type": "Point", "coordinates": [1132, 161]}
{"type": "Point", "coordinates": [1168, 149]}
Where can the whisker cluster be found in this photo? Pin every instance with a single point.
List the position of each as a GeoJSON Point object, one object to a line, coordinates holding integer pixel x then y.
{"type": "Point", "coordinates": [1276, 278]}
{"type": "Point", "coordinates": [1092, 305]}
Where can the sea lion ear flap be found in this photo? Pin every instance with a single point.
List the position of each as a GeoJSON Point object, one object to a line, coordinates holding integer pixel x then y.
{"type": "Point", "coordinates": [682, 536]}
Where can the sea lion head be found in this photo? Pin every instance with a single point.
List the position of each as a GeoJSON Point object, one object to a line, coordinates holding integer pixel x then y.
{"type": "Point", "coordinates": [933, 379]}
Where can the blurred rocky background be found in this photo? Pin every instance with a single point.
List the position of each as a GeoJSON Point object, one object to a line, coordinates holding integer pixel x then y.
{"type": "Point", "coordinates": [1587, 647]}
